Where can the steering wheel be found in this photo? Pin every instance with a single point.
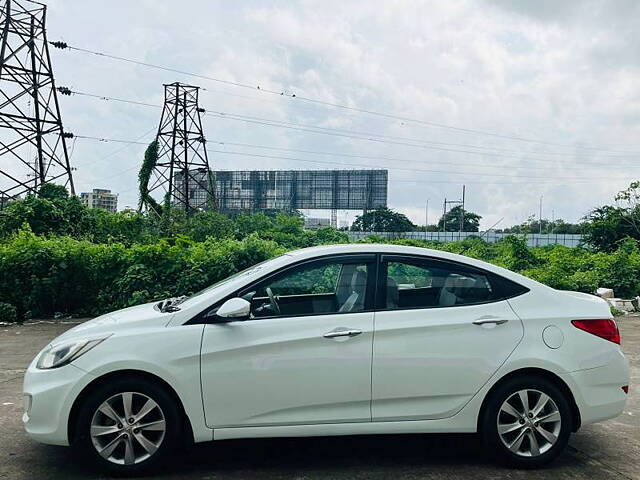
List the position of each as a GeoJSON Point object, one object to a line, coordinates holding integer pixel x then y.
{"type": "Point", "coordinates": [272, 300]}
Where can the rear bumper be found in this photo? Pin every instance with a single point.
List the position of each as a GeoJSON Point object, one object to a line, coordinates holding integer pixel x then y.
{"type": "Point", "coordinates": [598, 391]}
{"type": "Point", "coordinates": [48, 398]}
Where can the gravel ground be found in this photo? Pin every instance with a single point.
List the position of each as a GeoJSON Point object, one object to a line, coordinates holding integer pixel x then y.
{"type": "Point", "coordinates": [608, 450]}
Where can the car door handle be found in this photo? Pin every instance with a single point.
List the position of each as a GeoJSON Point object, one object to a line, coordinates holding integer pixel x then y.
{"type": "Point", "coordinates": [490, 320]}
{"type": "Point", "coordinates": [346, 332]}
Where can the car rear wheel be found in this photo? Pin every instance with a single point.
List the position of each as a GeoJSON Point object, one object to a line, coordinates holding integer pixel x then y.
{"type": "Point", "coordinates": [527, 422]}
{"type": "Point", "coordinates": [128, 426]}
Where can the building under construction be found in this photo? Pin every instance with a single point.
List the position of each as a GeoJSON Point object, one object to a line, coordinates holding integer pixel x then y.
{"type": "Point", "coordinates": [301, 189]}
{"type": "Point", "coordinates": [288, 190]}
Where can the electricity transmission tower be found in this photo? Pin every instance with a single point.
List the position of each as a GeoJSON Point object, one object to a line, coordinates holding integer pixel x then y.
{"type": "Point", "coordinates": [33, 150]}
{"type": "Point", "coordinates": [181, 172]}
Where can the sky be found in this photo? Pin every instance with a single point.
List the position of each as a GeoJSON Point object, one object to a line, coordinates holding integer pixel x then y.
{"type": "Point", "coordinates": [517, 100]}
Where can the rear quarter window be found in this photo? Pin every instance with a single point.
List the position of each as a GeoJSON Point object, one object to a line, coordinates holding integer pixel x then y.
{"type": "Point", "coordinates": [505, 288]}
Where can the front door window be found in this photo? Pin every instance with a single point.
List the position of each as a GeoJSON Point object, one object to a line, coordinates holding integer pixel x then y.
{"type": "Point", "coordinates": [311, 289]}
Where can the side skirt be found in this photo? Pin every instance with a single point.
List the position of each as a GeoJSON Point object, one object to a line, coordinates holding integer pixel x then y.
{"type": "Point", "coordinates": [332, 429]}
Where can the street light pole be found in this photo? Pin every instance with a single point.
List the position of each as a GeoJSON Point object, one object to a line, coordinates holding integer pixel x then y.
{"type": "Point", "coordinates": [462, 211]}
{"type": "Point", "coordinates": [540, 216]}
{"type": "Point", "coordinates": [426, 219]}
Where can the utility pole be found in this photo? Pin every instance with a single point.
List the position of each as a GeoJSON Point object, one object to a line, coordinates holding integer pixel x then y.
{"type": "Point", "coordinates": [462, 211]}
{"type": "Point", "coordinates": [426, 219]}
{"type": "Point", "coordinates": [444, 215]}
{"type": "Point", "coordinates": [454, 202]}
{"type": "Point", "coordinates": [182, 174]}
{"type": "Point", "coordinates": [26, 80]}
{"type": "Point", "coordinates": [540, 217]}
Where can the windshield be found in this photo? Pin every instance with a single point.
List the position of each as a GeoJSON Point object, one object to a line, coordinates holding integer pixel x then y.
{"type": "Point", "coordinates": [242, 273]}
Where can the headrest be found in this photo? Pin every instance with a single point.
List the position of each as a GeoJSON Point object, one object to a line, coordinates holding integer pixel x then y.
{"type": "Point", "coordinates": [358, 280]}
{"type": "Point", "coordinates": [393, 294]}
{"type": "Point", "coordinates": [454, 281]}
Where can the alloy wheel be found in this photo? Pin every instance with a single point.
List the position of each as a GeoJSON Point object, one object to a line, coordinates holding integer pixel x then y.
{"type": "Point", "coordinates": [127, 428]}
{"type": "Point", "coordinates": [529, 423]}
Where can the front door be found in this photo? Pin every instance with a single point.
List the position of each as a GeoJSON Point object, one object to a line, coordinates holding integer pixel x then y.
{"type": "Point", "coordinates": [304, 356]}
{"type": "Point", "coordinates": [442, 331]}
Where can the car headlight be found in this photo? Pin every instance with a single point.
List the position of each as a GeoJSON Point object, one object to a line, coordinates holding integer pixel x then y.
{"type": "Point", "coordinates": [63, 353]}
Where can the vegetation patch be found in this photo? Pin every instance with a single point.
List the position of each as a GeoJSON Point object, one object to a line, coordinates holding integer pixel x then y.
{"type": "Point", "coordinates": [58, 256]}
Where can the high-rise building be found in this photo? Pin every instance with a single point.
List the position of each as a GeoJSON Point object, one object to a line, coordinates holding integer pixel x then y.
{"type": "Point", "coordinates": [198, 188]}
{"type": "Point", "coordinates": [100, 198]}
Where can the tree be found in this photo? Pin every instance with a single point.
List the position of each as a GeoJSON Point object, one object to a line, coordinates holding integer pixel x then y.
{"type": "Point", "coordinates": [451, 221]}
{"type": "Point", "coordinates": [382, 220]}
{"type": "Point", "coordinates": [532, 225]}
{"type": "Point", "coordinates": [607, 226]}
{"type": "Point", "coordinates": [53, 192]}
{"type": "Point", "coordinates": [203, 225]}
{"type": "Point", "coordinates": [50, 211]}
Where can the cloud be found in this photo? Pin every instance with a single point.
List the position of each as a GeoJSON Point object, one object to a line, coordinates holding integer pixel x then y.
{"type": "Point", "coordinates": [565, 73]}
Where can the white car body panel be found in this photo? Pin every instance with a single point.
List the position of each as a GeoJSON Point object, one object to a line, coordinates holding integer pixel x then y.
{"type": "Point", "coordinates": [301, 377]}
{"type": "Point", "coordinates": [418, 352]}
{"type": "Point", "coordinates": [282, 378]}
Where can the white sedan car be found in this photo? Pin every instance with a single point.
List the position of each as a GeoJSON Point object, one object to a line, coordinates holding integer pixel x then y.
{"type": "Point", "coordinates": [335, 340]}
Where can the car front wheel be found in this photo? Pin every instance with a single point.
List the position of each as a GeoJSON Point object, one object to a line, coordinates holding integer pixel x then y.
{"type": "Point", "coordinates": [128, 426]}
{"type": "Point", "coordinates": [527, 422]}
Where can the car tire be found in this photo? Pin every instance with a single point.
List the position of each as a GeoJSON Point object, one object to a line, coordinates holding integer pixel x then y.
{"type": "Point", "coordinates": [526, 422]}
{"type": "Point", "coordinates": [130, 446]}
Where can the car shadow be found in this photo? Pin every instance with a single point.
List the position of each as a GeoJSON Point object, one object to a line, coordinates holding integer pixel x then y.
{"type": "Point", "coordinates": [346, 457]}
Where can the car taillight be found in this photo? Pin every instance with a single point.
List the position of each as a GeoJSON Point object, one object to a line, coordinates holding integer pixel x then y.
{"type": "Point", "coordinates": [606, 328]}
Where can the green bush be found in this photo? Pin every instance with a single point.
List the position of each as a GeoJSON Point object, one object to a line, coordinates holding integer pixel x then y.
{"type": "Point", "coordinates": [61, 274]}
{"type": "Point", "coordinates": [8, 313]}
{"type": "Point", "coordinates": [44, 274]}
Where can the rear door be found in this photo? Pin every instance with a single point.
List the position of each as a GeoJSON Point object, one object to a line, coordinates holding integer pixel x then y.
{"type": "Point", "coordinates": [441, 331]}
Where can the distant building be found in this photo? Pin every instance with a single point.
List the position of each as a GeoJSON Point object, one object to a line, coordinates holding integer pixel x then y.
{"type": "Point", "coordinates": [315, 222]}
{"type": "Point", "coordinates": [100, 198]}
{"type": "Point", "coordinates": [5, 200]}
{"type": "Point", "coordinates": [197, 188]}
{"type": "Point", "coordinates": [282, 190]}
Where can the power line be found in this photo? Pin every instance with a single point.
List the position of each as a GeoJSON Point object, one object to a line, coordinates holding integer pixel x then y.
{"type": "Point", "coordinates": [118, 150]}
{"type": "Point", "coordinates": [401, 140]}
{"type": "Point", "coordinates": [556, 180]}
{"type": "Point", "coordinates": [448, 172]}
{"type": "Point", "coordinates": [371, 157]}
{"type": "Point", "coordinates": [337, 132]}
{"type": "Point", "coordinates": [339, 154]}
{"type": "Point", "coordinates": [246, 119]}
{"type": "Point", "coordinates": [294, 96]}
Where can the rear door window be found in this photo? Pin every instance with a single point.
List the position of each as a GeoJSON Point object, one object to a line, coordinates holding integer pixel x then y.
{"type": "Point", "coordinates": [426, 283]}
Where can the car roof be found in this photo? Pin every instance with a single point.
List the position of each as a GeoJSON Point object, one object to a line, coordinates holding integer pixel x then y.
{"type": "Point", "coordinates": [322, 250]}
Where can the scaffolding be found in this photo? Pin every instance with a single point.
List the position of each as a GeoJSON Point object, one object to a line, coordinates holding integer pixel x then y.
{"type": "Point", "coordinates": [288, 190]}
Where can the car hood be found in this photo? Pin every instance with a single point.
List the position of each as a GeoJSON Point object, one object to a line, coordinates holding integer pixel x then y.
{"type": "Point", "coordinates": [139, 316]}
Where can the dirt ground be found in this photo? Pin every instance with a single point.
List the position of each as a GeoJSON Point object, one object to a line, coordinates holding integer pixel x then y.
{"type": "Point", "coordinates": [608, 450]}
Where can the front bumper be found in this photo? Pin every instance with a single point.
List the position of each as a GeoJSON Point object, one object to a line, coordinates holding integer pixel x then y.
{"type": "Point", "coordinates": [598, 391]}
{"type": "Point", "coordinates": [48, 398]}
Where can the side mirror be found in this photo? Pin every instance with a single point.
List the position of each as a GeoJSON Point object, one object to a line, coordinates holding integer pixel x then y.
{"type": "Point", "coordinates": [234, 308]}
